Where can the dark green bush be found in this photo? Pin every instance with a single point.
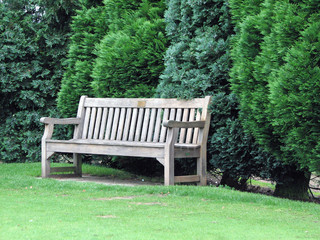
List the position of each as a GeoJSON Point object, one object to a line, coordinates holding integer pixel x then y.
{"type": "Point", "coordinates": [33, 38]}
{"type": "Point", "coordinates": [273, 86]}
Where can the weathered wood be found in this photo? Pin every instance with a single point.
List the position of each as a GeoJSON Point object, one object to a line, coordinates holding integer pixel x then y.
{"type": "Point", "coordinates": [109, 124]}
{"type": "Point", "coordinates": [196, 130]}
{"type": "Point", "coordinates": [133, 124]}
{"type": "Point", "coordinates": [86, 123]}
{"type": "Point", "coordinates": [157, 126]}
{"type": "Point", "coordinates": [127, 125]}
{"type": "Point", "coordinates": [121, 123]}
{"type": "Point", "coordinates": [97, 124]}
{"type": "Point", "coordinates": [103, 123]}
{"type": "Point", "coordinates": [183, 131]}
{"type": "Point", "coordinates": [137, 128]}
{"type": "Point", "coordinates": [152, 124]}
{"type": "Point", "coordinates": [63, 121]}
{"type": "Point", "coordinates": [78, 129]}
{"type": "Point", "coordinates": [145, 125]}
{"type": "Point", "coordinates": [148, 102]}
{"type": "Point", "coordinates": [163, 132]}
{"type": "Point", "coordinates": [190, 130]}
{"type": "Point", "coordinates": [62, 169]}
{"type": "Point", "coordinates": [189, 178]}
{"type": "Point", "coordinates": [92, 123]}
{"type": "Point", "coordinates": [139, 125]}
{"type": "Point", "coordinates": [169, 157]}
{"type": "Point", "coordinates": [179, 124]}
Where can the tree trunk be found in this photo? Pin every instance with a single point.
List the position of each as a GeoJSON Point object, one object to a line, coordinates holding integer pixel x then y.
{"type": "Point", "coordinates": [295, 185]}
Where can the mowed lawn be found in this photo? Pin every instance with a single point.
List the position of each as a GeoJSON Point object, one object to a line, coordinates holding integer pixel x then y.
{"type": "Point", "coordinates": [35, 208]}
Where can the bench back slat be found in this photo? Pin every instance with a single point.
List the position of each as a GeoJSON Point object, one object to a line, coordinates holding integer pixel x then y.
{"type": "Point", "coordinates": [152, 124]}
{"type": "Point", "coordinates": [109, 124]}
{"type": "Point", "coordinates": [127, 124]}
{"type": "Point", "coordinates": [103, 123]}
{"type": "Point", "coordinates": [139, 119]}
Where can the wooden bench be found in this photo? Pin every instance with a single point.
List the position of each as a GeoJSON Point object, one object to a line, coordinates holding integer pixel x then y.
{"type": "Point", "coordinates": [164, 129]}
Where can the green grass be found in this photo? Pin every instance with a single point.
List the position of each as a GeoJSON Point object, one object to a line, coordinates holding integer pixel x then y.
{"type": "Point", "coordinates": [34, 208]}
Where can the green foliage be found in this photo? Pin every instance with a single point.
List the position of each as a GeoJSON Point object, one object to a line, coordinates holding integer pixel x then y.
{"type": "Point", "coordinates": [88, 27]}
{"type": "Point", "coordinates": [116, 50]}
{"type": "Point", "coordinates": [295, 98]}
{"type": "Point", "coordinates": [197, 64]}
{"type": "Point", "coordinates": [33, 36]}
{"type": "Point", "coordinates": [129, 58]}
{"type": "Point", "coordinates": [274, 75]}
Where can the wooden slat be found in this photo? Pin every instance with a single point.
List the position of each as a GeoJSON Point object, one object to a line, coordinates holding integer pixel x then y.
{"type": "Point", "coordinates": [190, 130]}
{"type": "Point", "coordinates": [183, 131]}
{"type": "Point", "coordinates": [121, 123]}
{"type": "Point", "coordinates": [92, 122]}
{"type": "Point", "coordinates": [157, 126]}
{"type": "Point", "coordinates": [103, 123]}
{"type": "Point", "coordinates": [145, 125]}
{"type": "Point", "coordinates": [143, 102]}
{"type": "Point", "coordinates": [62, 169]}
{"type": "Point", "coordinates": [196, 130]}
{"type": "Point", "coordinates": [127, 125]}
{"type": "Point", "coordinates": [109, 123]}
{"type": "Point", "coordinates": [139, 124]}
{"type": "Point", "coordinates": [86, 123]}
{"type": "Point", "coordinates": [164, 129]}
{"type": "Point", "coordinates": [178, 118]}
{"type": "Point", "coordinates": [190, 178]}
{"type": "Point", "coordinates": [151, 124]}
{"type": "Point", "coordinates": [80, 114]}
{"type": "Point", "coordinates": [133, 124]}
{"type": "Point", "coordinates": [97, 124]}
{"type": "Point", "coordinates": [115, 124]}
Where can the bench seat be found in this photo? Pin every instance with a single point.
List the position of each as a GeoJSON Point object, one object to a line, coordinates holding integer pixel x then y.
{"type": "Point", "coordinates": [121, 148]}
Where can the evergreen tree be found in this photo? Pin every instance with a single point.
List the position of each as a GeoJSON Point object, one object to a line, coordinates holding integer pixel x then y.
{"type": "Point", "coordinates": [33, 37]}
{"type": "Point", "coordinates": [88, 28]}
{"type": "Point", "coordinates": [116, 50]}
{"type": "Point", "coordinates": [267, 83]}
{"type": "Point", "coordinates": [197, 63]}
{"type": "Point", "coordinates": [130, 56]}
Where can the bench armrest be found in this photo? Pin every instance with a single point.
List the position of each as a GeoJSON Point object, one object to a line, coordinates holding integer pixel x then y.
{"type": "Point", "coordinates": [180, 124]}
{"type": "Point", "coordinates": [48, 120]}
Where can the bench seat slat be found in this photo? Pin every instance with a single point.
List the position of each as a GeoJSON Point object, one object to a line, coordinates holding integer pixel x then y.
{"type": "Point", "coordinates": [120, 143]}
{"type": "Point", "coordinates": [121, 148]}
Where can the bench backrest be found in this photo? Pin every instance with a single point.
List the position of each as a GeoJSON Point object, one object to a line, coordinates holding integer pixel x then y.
{"type": "Point", "coordinates": [139, 120]}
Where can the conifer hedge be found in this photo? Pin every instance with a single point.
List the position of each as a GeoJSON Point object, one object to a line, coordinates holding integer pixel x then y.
{"type": "Point", "coordinates": [275, 75]}
{"type": "Point", "coordinates": [33, 39]}
{"type": "Point", "coordinates": [197, 63]}
{"type": "Point", "coordinates": [116, 50]}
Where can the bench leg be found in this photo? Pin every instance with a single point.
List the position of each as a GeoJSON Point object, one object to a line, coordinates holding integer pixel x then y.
{"type": "Point", "coordinates": [202, 170]}
{"type": "Point", "coordinates": [45, 162]}
{"type": "Point", "coordinates": [77, 162]}
{"type": "Point", "coordinates": [169, 171]}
